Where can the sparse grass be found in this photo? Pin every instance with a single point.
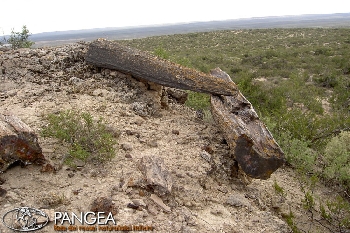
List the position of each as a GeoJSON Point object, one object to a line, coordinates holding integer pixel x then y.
{"type": "Point", "coordinates": [88, 139]}
{"type": "Point", "coordinates": [54, 199]}
{"type": "Point", "coordinates": [290, 221]}
{"type": "Point", "coordinates": [278, 189]}
{"type": "Point", "coordinates": [337, 213]}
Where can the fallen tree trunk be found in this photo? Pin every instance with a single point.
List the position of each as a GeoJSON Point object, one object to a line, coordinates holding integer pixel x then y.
{"type": "Point", "coordinates": [252, 144]}
{"type": "Point", "coordinates": [109, 54]}
{"type": "Point", "coordinates": [18, 142]}
{"type": "Point", "coordinates": [254, 147]}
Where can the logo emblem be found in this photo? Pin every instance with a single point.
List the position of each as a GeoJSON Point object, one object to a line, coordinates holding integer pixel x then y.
{"type": "Point", "coordinates": [25, 219]}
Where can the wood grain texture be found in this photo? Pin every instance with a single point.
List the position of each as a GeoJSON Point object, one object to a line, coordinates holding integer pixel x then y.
{"type": "Point", "coordinates": [18, 142]}
{"type": "Point", "coordinates": [143, 65]}
{"type": "Point", "coordinates": [252, 144]}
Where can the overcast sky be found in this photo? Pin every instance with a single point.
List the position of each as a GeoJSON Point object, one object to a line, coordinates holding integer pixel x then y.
{"type": "Point", "coordinates": [61, 15]}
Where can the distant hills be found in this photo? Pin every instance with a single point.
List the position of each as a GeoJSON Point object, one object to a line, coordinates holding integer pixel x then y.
{"type": "Point", "coordinates": [119, 33]}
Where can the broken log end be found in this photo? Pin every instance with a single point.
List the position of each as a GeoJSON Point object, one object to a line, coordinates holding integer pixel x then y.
{"type": "Point", "coordinates": [252, 144]}
{"type": "Point", "coordinates": [18, 142]}
{"type": "Point", "coordinates": [255, 164]}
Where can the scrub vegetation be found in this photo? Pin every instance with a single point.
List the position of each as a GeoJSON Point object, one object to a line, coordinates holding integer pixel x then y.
{"type": "Point", "coordinates": [298, 81]}
{"type": "Point", "coordinates": [88, 139]}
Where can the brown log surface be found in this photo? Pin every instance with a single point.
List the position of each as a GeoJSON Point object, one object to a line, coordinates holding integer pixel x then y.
{"type": "Point", "coordinates": [112, 55]}
{"type": "Point", "coordinates": [252, 144]}
{"type": "Point", "coordinates": [18, 142]}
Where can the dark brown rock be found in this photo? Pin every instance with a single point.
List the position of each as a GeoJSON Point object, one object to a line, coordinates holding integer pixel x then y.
{"type": "Point", "coordinates": [175, 131]}
{"type": "Point", "coordinates": [132, 206]}
{"type": "Point", "coordinates": [103, 204]}
{"type": "Point", "coordinates": [179, 96]}
{"type": "Point", "coordinates": [3, 192]}
{"type": "Point", "coordinates": [143, 65]}
{"type": "Point", "coordinates": [252, 144]}
{"type": "Point", "coordinates": [208, 149]}
{"type": "Point", "coordinates": [126, 147]}
{"type": "Point", "coordinates": [18, 142]}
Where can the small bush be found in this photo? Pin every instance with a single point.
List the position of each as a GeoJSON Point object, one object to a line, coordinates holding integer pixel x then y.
{"type": "Point", "coordinates": [308, 201]}
{"type": "Point", "coordinates": [297, 152]}
{"type": "Point", "coordinates": [160, 52]}
{"type": "Point", "coordinates": [337, 159]}
{"type": "Point", "coordinates": [88, 139]}
{"type": "Point", "coordinates": [324, 51]}
{"type": "Point", "coordinates": [329, 81]}
{"type": "Point", "coordinates": [235, 70]}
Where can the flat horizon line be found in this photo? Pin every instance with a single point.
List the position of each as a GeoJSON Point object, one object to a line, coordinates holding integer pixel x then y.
{"type": "Point", "coordinates": [184, 23]}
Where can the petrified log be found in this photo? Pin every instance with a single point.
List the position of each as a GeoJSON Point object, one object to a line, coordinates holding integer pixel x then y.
{"type": "Point", "coordinates": [252, 144]}
{"type": "Point", "coordinates": [18, 142]}
{"type": "Point", "coordinates": [142, 65]}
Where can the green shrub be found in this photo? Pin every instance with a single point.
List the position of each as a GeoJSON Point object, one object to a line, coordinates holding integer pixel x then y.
{"type": "Point", "coordinates": [329, 81]}
{"type": "Point", "coordinates": [337, 159]}
{"type": "Point", "coordinates": [162, 53]}
{"type": "Point", "coordinates": [324, 51]}
{"type": "Point", "coordinates": [20, 39]}
{"type": "Point", "coordinates": [88, 139]}
{"type": "Point", "coordinates": [235, 70]}
{"type": "Point", "coordinates": [297, 152]}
